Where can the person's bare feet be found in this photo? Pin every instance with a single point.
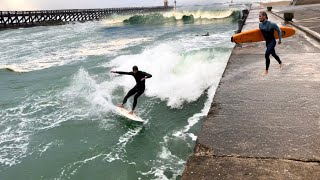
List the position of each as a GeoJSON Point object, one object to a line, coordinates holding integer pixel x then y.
{"type": "Point", "coordinates": [131, 112]}
{"type": "Point", "coordinates": [280, 66]}
{"type": "Point", "coordinates": [265, 72]}
{"type": "Point", "coordinates": [120, 105]}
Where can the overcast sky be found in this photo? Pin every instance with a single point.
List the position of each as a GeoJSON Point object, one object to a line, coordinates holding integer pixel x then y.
{"type": "Point", "coordinates": [83, 4]}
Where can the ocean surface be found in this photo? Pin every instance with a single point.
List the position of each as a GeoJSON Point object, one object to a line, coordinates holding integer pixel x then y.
{"type": "Point", "coordinates": [57, 113]}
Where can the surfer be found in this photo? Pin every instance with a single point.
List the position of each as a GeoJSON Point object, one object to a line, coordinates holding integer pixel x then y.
{"type": "Point", "coordinates": [207, 34]}
{"type": "Point", "coordinates": [267, 28]}
{"type": "Point", "coordinates": [138, 89]}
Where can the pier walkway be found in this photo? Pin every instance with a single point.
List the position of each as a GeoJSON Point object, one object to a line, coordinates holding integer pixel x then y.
{"type": "Point", "coordinates": [263, 127]}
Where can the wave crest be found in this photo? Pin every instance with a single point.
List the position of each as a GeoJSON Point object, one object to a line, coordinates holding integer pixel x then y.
{"type": "Point", "coordinates": [173, 16]}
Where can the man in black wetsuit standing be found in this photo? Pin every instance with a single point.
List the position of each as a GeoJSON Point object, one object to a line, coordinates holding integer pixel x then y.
{"type": "Point", "coordinates": [267, 28]}
{"type": "Point", "coordinates": [138, 89]}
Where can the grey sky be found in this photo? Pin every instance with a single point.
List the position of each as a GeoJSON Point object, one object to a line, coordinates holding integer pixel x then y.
{"type": "Point", "coordinates": [74, 4]}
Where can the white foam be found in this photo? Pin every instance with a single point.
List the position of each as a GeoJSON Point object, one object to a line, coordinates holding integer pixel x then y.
{"type": "Point", "coordinates": [84, 98]}
{"type": "Point", "coordinates": [13, 150]}
{"type": "Point", "coordinates": [210, 93]}
{"type": "Point", "coordinates": [85, 90]}
{"type": "Point", "coordinates": [44, 147]}
{"type": "Point", "coordinates": [193, 43]}
{"type": "Point", "coordinates": [166, 161]}
{"type": "Point", "coordinates": [72, 168]}
{"type": "Point", "coordinates": [119, 150]}
{"type": "Point", "coordinates": [111, 47]}
{"type": "Point", "coordinates": [115, 19]}
{"type": "Point", "coordinates": [177, 78]}
{"type": "Point", "coordinates": [14, 139]}
{"type": "Point", "coordinates": [47, 48]}
{"type": "Point", "coordinates": [193, 137]}
{"type": "Point", "coordinates": [200, 14]}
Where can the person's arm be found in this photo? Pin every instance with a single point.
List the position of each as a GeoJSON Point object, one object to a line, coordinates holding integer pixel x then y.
{"type": "Point", "coordinates": [146, 75]}
{"type": "Point", "coordinates": [276, 27]}
{"type": "Point", "coordinates": [121, 72]}
{"type": "Point", "coordinates": [260, 26]}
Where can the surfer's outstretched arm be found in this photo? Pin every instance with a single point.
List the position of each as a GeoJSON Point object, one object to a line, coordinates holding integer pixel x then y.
{"type": "Point", "coordinates": [121, 72]}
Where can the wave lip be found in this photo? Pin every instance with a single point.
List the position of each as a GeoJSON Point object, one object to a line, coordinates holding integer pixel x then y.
{"type": "Point", "coordinates": [200, 14]}
{"type": "Point", "coordinates": [149, 19]}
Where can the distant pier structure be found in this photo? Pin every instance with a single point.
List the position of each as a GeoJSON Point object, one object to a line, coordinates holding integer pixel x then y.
{"type": "Point", "coordinates": [16, 19]}
{"type": "Point", "coordinates": [165, 3]}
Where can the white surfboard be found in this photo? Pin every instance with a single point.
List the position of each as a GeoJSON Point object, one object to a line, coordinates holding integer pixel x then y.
{"type": "Point", "coordinates": [125, 113]}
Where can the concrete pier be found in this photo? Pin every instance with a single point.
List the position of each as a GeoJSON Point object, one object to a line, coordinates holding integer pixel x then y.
{"type": "Point", "coordinates": [263, 127]}
{"type": "Point", "coordinates": [17, 19]}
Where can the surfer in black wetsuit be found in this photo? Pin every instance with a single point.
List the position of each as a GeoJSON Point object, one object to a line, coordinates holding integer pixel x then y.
{"type": "Point", "coordinates": [138, 89]}
{"type": "Point", "coordinates": [267, 28]}
{"type": "Point", "coordinates": [207, 34]}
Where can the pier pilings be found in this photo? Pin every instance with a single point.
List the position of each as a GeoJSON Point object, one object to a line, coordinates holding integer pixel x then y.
{"type": "Point", "coordinates": [16, 19]}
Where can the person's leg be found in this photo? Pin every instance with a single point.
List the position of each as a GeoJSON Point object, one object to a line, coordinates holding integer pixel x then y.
{"type": "Point", "coordinates": [129, 94]}
{"type": "Point", "coordinates": [140, 91]}
{"type": "Point", "coordinates": [273, 53]}
{"type": "Point", "coordinates": [267, 57]}
{"type": "Point", "coordinates": [270, 49]}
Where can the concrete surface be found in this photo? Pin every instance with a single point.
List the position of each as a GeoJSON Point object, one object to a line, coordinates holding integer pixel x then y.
{"type": "Point", "coordinates": [263, 127]}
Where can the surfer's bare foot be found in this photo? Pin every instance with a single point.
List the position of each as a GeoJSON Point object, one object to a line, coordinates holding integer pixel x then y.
{"type": "Point", "coordinates": [131, 112]}
{"type": "Point", "coordinates": [120, 105]}
{"type": "Point", "coordinates": [265, 72]}
{"type": "Point", "coordinates": [280, 66]}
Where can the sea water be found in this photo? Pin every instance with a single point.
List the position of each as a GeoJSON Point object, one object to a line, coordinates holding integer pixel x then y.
{"type": "Point", "coordinates": [57, 114]}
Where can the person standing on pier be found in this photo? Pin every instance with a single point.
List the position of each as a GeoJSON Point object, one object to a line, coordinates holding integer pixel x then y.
{"type": "Point", "coordinates": [267, 28]}
{"type": "Point", "coordinates": [138, 89]}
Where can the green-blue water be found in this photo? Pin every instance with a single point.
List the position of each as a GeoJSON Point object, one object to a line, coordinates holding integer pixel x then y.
{"type": "Point", "coordinates": [57, 119]}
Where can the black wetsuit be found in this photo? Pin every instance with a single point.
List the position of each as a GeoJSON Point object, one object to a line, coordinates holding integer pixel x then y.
{"type": "Point", "coordinates": [267, 28]}
{"type": "Point", "coordinates": [138, 89]}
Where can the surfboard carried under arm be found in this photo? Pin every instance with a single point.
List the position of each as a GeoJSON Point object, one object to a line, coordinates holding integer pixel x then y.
{"type": "Point", "coordinates": [125, 113]}
{"type": "Point", "coordinates": [255, 35]}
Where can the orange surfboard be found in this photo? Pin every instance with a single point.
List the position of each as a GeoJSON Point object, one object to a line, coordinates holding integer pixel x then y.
{"type": "Point", "coordinates": [255, 35]}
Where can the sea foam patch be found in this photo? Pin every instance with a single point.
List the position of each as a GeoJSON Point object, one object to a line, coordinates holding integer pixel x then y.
{"type": "Point", "coordinates": [176, 78]}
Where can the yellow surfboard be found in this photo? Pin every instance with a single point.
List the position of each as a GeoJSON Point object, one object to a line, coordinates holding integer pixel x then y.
{"type": "Point", "coordinates": [255, 35]}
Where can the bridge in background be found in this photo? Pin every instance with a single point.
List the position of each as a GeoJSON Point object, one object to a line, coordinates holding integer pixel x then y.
{"type": "Point", "coordinates": [16, 19]}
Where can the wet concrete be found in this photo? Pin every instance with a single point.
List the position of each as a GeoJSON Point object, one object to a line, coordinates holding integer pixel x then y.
{"type": "Point", "coordinates": [263, 127]}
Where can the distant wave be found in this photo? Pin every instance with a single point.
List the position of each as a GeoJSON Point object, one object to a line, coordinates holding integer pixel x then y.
{"type": "Point", "coordinates": [149, 19]}
{"type": "Point", "coordinates": [203, 14]}
{"type": "Point", "coordinates": [171, 16]}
